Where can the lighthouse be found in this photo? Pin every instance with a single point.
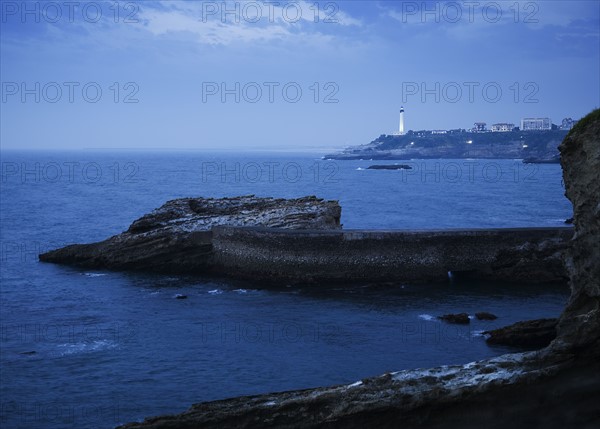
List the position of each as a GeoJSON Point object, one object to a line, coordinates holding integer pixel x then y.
{"type": "Point", "coordinates": [401, 129]}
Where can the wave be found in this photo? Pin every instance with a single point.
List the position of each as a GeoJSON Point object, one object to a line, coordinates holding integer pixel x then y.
{"type": "Point", "coordinates": [85, 347]}
{"type": "Point", "coordinates": [215, 292]}
{"type": "Point", "coordinates": [94, 274]}
{"type": "Point", "coordinates": [428, 317]}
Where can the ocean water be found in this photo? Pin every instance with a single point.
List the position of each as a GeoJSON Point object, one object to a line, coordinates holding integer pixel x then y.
{"type": "Point", "coordinates": [90, 348]}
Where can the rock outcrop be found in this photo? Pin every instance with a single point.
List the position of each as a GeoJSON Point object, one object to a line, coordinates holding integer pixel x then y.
{"type": "Point", "coordinates": [530, 334]}
{"type": "Point", "coordinates": [459, 318]}
{"type": "Point", "coordinates": [389, 167]}
{"type": "Point", "coordinates": [556, 387]}
{"type": "Point", "coordinates": [579, 325]}
{"type": "Point", "coordinates": [484, 315]}
{"type": "Point", "coordinates": [301, 241]}
{"type": "Point", "coordinates": [177, 236]}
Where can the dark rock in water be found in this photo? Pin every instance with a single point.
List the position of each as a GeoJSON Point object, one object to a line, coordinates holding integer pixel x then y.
{"type": "Point", "coordinates": [531, 334]}
{"type": "Point", "coordinates": [32, 352]}
{"type": "Point", "coordinates": [390, 167]}
{"type": "Point", "coordinates": [569, 221]}
{"type": "Point", "coordinates": [459, 318]}
{"type": "Point", "coordinates": [177, 236]}
{"type": "Point", "coordinates": [484, 315]}
{"type": "Point", "coordinates": [180, 296]}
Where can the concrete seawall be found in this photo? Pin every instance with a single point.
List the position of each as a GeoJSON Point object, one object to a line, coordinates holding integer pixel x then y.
{"type": "Point", "coordinates": [271, 254]}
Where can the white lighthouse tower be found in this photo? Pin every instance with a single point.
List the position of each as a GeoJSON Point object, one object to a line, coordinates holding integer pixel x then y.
{"type": "Point", "coordinates": [401, 129]}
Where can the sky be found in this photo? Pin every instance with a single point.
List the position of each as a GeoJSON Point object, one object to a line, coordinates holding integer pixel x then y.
{"type": "Point", "coordinates": [297, 76]}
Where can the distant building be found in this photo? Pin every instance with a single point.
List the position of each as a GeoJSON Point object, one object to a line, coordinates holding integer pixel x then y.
{"type": "Point", "coordinates": [502, 127]}
{"type": "Point", "coordinates": [567, 124]}
{"type": "Point", "coordinates": [401, 127]}
{"type": "Point", "coordinates": [536, 124]}
{"type": "Point", "coordinates": [439, 131]}
{"type": "Point", "coordinates": [480, 127]}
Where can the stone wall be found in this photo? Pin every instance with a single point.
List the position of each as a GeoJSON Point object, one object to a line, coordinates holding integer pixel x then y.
{"type": "Point", "coordinates": [300, 256]}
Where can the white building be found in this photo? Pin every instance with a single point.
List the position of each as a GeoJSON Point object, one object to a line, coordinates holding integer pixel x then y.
{"type": "Point", "coordinates": [567, 124]}
{"type": "Point", "coordinates": [480, 127]}
{"type": "Point", "coordinates": [502, 127]}
{"type": "Point", "coordinates": [536, 124]}
{"type": "Point", "coordinates": [401, 127]}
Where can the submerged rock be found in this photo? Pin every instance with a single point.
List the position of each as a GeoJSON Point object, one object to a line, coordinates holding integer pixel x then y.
{"type": "Point", "coordinates": [531, 334]}
{"type": "Point", "coordinates": [459, 318]}
{"type": "Point", "coordinates": [177, 236]}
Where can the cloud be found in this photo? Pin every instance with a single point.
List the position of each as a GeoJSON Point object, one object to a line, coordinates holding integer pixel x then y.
{"type": "Point", "coordinates": [469, 20]}
{"type": "Point", "coordinates": [211, 32]}
{"type": "Point", "coordinates": [225, 23]}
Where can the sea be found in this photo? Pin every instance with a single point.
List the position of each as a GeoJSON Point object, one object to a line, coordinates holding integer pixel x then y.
{"type": "Point", "coordinates": [84, 348]}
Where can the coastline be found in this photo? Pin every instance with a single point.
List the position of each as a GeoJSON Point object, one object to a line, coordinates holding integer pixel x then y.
{"type": "Point", "coordinates": [556, 387]}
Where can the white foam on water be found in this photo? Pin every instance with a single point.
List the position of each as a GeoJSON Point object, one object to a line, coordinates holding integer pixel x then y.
{"type": "Point", "coordinates": [427, 317]}
{"type": "Point", "coordinates": [241, 291]}
{"type": "Point", "coordinates": [94, 274]}
{"type": "Point", "coordinates": [85, 347]}
{"type": "Point", "coordinates": [215, 292]}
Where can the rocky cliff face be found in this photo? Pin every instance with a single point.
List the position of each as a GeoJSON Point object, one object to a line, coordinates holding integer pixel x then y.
{"type": "Point", "coordinates": [177, 236]}
{"type": "Point", "coordinates": [557, 387]}
{"type": "Point", "coordinates": [579, 325]}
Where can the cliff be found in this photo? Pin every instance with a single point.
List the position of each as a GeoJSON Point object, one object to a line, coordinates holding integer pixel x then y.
{"type": "Point", "coordinates": [579, 325]}
{"type": "Point", "coordinates": [458, 144]}
{"type": "Point", "coordinates": [556, 387]}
